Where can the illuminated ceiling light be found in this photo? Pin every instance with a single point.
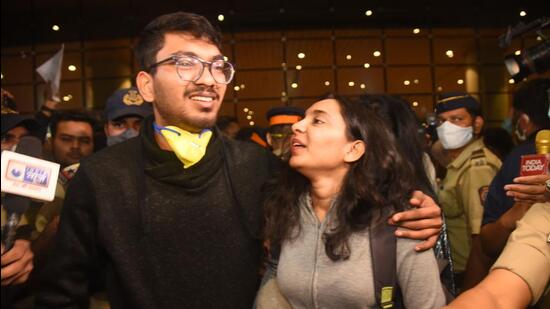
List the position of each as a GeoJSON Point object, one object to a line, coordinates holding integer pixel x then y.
{"type": "Point", "coordinates": [362, 86]}
{"type": "Point", "coordinates": [460, 81]}
{"type": "Point", "coordinates": [522, 13]}
{"type": "Point", "coordinates": [539, 38]}
{"type": "Point", "coordinates": [416, 81]}
{"type": "Point", "coordinates": [251, 123]}
{"type": "Point", "coordinates": [225, 58]}
{"type": "Point", "coordinates": [55, 28]}
{"type": "Point", "coordinates": [2, 76]}
{"type": "Point", "coordinates": [439, 88]}
{"type": "Point", "coordinates": [242, 86]}
{"type": "Point", "coordinates": [415, 103]}
{"type": "Point", "coordinates": [406, 82]}
{"type": "Point", "coordinates": [376, 53]}
{"type": "Point", "coordinates": [327, 83]}
{"type": "Point", "coordinates": [245, 109]}
{"type": "Point", "coordinates": [221, 17]}
{"type": "Point", "coordinates": [248, 117]}
{"type": "Point", "coordinates": [294, 85]}
{"type": "Point", "coordinates": [237, 88]}
{"type": "Point", "coordinates": [416, 30]}
{"type": "Point", "coordinates": [517, 52]}
{"type": "Point", "coordinates": [511, 81]}
{"type": "Point", "coordinates": [366, 65]}
{"type": "Point", "coordinates": [71, 68]}
{"type": "Point", "coordinates": [450, 53]}
{"type": "Point", "coordinates": [348, 57]}
{"type": "Point", "coordinates": [251, 112]}
{"type": "Point", "coordinates": [301, 55]}
{"type": "Point", "coordinates": [67, 98]}
{"type": "Point", "coordinates": [298, 67]}
{"type": "Point", "coordinates": [351, 84]}
{"type": "Point", "coordinates": [283, 94]}
{"type": "Point", "coordinates": [368, 12]}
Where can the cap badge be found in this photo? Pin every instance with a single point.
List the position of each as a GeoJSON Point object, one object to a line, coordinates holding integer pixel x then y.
{"type": "Point", "coordinates": [132, 98]}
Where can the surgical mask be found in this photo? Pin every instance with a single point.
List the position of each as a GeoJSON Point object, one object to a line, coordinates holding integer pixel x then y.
{"type": "Point", "coordinates": [126, 135]}
{"type": "Point", "coordinates": [520, 134]}
{"type": "Point", "coordinates": [453, 136]}
{"type": "Point", "coordinates": [189, 147]}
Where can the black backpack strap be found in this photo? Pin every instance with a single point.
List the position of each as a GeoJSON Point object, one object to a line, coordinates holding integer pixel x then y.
{"type": "Point", "coordinates": [383, 244]}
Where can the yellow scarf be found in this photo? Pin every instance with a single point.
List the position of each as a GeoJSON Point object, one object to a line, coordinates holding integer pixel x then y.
{"type": "Point", "coordinates": [188, 147]}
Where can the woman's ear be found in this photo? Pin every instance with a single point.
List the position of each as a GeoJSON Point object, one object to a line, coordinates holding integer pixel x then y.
{"type": "Point", "coordinates": [144, 82]}
{"type": "Point", "coordinates": [356, 150]}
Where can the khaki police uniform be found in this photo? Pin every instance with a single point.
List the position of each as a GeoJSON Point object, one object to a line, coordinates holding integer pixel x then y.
{"type": "Point", "coordinates": [527, 253]}
{"type": "Point", "coordinates": [461, 197]}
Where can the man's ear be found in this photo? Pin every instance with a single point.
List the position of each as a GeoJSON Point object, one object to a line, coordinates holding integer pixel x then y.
{"type": "Point", "coordinates": [269, 139]}
{"type": "Point", "coordinates": [145, 86]}
{"type": "Point", "coordinates": [356, 150]}
{"type": "Point", "coordinates": [478, 125]}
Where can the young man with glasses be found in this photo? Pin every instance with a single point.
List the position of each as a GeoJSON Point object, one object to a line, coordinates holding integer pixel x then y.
{"type": "Point", "coordinates": [173, 218]}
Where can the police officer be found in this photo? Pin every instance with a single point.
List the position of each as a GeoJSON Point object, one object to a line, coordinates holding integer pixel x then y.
{"type": "Point", "coordinates": [281, 120]}
{"type": "Point", "coordinates": [472, 167]}
{"type": "Point", "coordinates": [521, 274]}
{"type": "Point", "coordinates": [530, 115]}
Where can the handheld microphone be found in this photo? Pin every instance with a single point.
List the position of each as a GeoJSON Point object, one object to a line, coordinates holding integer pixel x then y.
{"type": "Point", "coordinates": [537, 164]}
{"type": "Point", "coordinates": [16, 204]}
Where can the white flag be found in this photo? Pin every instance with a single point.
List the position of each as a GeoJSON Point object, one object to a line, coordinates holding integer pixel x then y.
{"type": "Point", "coordinates": [50, 71]}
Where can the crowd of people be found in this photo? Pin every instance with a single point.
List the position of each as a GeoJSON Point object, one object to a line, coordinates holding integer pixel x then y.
{"type": "Point", "coordinates": [348, 204]}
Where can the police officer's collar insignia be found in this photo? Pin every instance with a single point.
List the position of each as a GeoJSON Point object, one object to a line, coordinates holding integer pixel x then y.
{"type": "Point", "coordinates": [132, 98]}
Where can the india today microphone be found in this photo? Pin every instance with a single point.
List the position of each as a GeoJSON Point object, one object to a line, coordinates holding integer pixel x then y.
{"type": "Point", "coordinates": [537, 164]}
{"type": "Point", "coordinates": [24, 177]}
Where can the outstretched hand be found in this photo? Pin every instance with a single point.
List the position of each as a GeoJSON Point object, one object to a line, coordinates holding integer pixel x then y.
{"type": "Point", "coordinates": [423, 222]}
{"type": "Point", "coordinates": [529, 189]}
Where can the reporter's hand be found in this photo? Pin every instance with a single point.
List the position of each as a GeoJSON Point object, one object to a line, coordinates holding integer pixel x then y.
{"type": "Point", "coordinates": [529, 189]}
{"type": "Point", "coordinates": [17, 263]}
{"type": "Point", "coordinates": [423, 222]}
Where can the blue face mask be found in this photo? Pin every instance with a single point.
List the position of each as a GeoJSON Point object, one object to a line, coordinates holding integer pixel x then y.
{"type": "Point", "coordinates": [126, 135]}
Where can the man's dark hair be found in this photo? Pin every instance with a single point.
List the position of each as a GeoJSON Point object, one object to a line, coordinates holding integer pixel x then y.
{"type": "Point", "coordinates": [532, 99]}
{"type": "Point", "coordinates": [151, 38]}
{"type": "Point", "coordinates": [69, 116]}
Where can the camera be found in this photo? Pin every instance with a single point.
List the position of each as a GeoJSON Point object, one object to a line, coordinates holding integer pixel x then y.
{"type": "Point", "coordinates": [535, 59]}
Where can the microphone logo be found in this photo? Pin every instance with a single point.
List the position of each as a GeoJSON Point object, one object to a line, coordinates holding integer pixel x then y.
{"type": "Point", "coordinates": [28, 175]}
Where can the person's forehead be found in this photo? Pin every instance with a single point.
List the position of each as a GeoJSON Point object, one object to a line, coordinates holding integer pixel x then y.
{"type": "Point", "coordinates": [74, 127]}
{"type": "Point", "coordinates": [188, 44]}
{"type": "Point", "coordinates": [455, 112]}
{"type": "Point", "coordinates": [126, 119]}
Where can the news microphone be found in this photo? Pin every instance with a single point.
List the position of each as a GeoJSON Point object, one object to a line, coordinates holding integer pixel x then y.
{"type": "Point", "coordinates": [16, 205]}
{"type": "Point", "coordinates": [537, 164]}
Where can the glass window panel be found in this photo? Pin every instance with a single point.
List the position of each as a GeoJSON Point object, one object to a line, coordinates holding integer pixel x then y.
{"type": "Point", "coordinates": [310, 82]}
{"type": "Point", "coordinates": [259, 55]}
{"type": "Point", "coordinates": [490, 52]}
{"type": "Point", "coordinates": [17, 69]}
{"type": "Point", "coordinates": [53, 48]}
{"type": "Point", "coordinates": [303, 103]}
{"type": "Point", "coordinates": [259, 84]}
{"type": "Point", "coordinates": [454, 50]}
{"type": "Point", "coordinates": [108, 63]}
{"type": "Point", "coordinates": [408, 51]}
{"type": "Point", "coordinates": [73, 91]}
{"type": "Point", "coordinates": [492, 31]}
{"type": "Point", "coordinates": [421, 104]}
{"type": "Point", "coordinates": [69, 59]}
{"type": "Point", "coordinates": [495, 107]}
{"type": "Point", "coordinates": [351, 79]}
{"type": "Point", "coordinates": [99, 90]}
{"type": "Point", "coordinates": [23, 96]}
{"type": "Point", "coordinates": [316, 52]}
{"type": "Point", "coordinates": [227, 108]}
{"type": "Point", "coordinates": [495, 79]}
{"type": "Point", "coordinates": [16, 50]}
{"type": "Point", "coordinates": [258, 108]}
{"type": "Point", "coordinates": [409, 80]}
{"type": "Point", "coordinates": [457, 78]}
{"type": "Point", "coordinates": [406, 32]}
{"type": "Point", "coordinates": [360, 50]}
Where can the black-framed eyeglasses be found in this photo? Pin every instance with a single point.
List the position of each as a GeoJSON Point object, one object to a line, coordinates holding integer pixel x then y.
{"type": "Point", "coordinates": [190, 68]}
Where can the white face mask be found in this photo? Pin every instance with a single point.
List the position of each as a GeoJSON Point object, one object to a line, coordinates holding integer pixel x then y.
{"type": "Point", "coordinates": [453, 136]}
